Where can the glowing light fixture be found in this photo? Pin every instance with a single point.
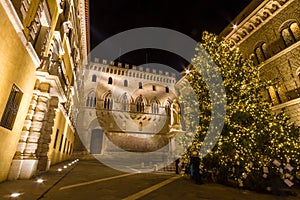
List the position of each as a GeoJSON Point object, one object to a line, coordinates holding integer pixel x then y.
{"type": "Point", "coordinates": [15, 194]}
{"type": "Point", "coordinates": [40, 180]}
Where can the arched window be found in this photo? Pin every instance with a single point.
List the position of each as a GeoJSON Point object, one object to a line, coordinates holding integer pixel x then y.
{"type": "Point", "coordinates": [140, 85]}
{"type": "Point", "coordinates": [140, 105]}
{"type": "Point", "coordinates": [295, 31]}
{"type": "Point", "coordinates": [87, 103]}
{"type": "Point", "coordinates": [140, 126]}
{"type": "Point", "coordinates": [154, 106]}
{"type": "Point", "coordinates": [91, 100]}
{"type": "Point", "coordinates": [287, 37]}
{"type": "Point", "coordinates": [108, 101]}
{"type": "Point", "coordinates": [110, 80]}
{"type": "Point", "coordinates": [94, 78]}
{"type": "Point", "coordinates": [125, 102]}
{"type": "Point", "coordinates": [290, 34]}
{"type": "Point", "coordinates": [261, 52]}
{"type": "Point", "coordinates": [168, 108]}
{"type": "Point", "coordinates": [125, 83]}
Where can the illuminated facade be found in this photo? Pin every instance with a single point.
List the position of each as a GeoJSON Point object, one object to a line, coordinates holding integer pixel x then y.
{"type": "Point", "coordinates": [270, 30]}
{"type": "Point", "coordinates": [43, 44]}
{"type": "Point", "coordinates": [126, 106]}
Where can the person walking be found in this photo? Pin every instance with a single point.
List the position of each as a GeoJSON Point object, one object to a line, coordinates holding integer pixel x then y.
{"type": "Point", "coordinates": [195, 169]}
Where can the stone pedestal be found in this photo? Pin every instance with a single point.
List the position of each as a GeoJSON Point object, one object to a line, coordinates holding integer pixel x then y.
{"type": "Point", "coordinates": [22, 169]}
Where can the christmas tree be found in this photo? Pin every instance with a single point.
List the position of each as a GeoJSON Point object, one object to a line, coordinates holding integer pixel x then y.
{"type": "Point", "coordinates": [255, 145]}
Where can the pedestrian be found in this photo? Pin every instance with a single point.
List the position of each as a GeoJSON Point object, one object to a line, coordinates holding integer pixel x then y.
{"type": "Point", "coordinates": [195, 169]}
{"type": "Point", "coordinates": [177, 165]}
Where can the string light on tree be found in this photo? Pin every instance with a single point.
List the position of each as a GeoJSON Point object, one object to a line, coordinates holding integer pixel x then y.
{"type": "Point", "coordinates": [252, 137]}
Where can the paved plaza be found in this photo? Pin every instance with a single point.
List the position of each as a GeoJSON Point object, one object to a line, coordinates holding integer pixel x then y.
{"type": "Point", "coordinates": [89, 179]}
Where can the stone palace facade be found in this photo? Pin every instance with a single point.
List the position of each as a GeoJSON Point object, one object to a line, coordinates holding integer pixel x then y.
{"type": "Point", "coordinates": [270, 31]}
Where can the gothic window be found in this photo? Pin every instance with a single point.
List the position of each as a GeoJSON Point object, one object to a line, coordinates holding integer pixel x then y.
{"type": "Point", "coordinates": [140, 85]}
{"type": "Point", "coordinates": [125, 83]}
{"type": "Point", "coordinates": [140, 105]}
{"type": "Point", "coordinates": [168, 108]}
{"type": "Point", "coordinates": [91, 100]}
{"type": "Point", "coordinates": [154, 106]}
{"type": "Point", "coordinates": [110, 80]}
{"type": "Point", "coordinates": [108, 101]}
{"type": "Point", "coordinates": [125, 102]}
{"type": "Point", "coordinates": [12, 107]}
{"type": "Point", "coordinates": [94, 78]}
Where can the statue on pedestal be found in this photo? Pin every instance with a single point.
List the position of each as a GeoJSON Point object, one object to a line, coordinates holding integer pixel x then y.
{"type": "Point", "coordinates": [175, 115]}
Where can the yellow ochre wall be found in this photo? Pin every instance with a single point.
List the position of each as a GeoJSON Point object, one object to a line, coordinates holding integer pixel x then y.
{"type": "Point", "coordinates": [16, 67]}
{"type": "Point", "coordinates": [63, 126]}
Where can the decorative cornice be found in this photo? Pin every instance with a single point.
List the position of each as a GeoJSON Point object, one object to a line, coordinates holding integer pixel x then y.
{"type": "Point", "coordinates": [260, 16]}
{"type": "Point", "coordinates": [84, 28]}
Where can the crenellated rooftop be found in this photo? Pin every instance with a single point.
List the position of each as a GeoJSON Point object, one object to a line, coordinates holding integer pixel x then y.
{"type": "Point", "coordinates": [116, 66]}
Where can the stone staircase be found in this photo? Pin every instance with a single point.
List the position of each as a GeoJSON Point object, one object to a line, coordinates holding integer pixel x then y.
{"type": "Point", "coordinates": [168, 168]}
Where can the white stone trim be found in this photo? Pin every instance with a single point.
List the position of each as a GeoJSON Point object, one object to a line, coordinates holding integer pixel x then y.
{"type": "Point", "coordinates": [280, 54]}
{"type": "Point", "coordinates": [286, 104]}
{"type": "Point", "coordinates": [18, 26]}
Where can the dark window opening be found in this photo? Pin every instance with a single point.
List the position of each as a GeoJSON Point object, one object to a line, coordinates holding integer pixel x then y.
{"type": "Point", "coordinates": [94, 78]}
{"type": "Point", "coordinates": [12, 107]}
{"type": "Point", "coordinates": [167, 89]}
{"type": "Point", "coordinates": [61, 141]}
{"type": "Point", "coordinates": [110, 80]}
{"type": "Point", "coordinates": [125, 83]}
{"type": "Point", "coordinates": [56, 137]}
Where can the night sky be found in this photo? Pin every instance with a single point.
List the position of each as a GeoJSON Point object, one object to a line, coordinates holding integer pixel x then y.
{"type": "Point", "coordinates": [190, 17]}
